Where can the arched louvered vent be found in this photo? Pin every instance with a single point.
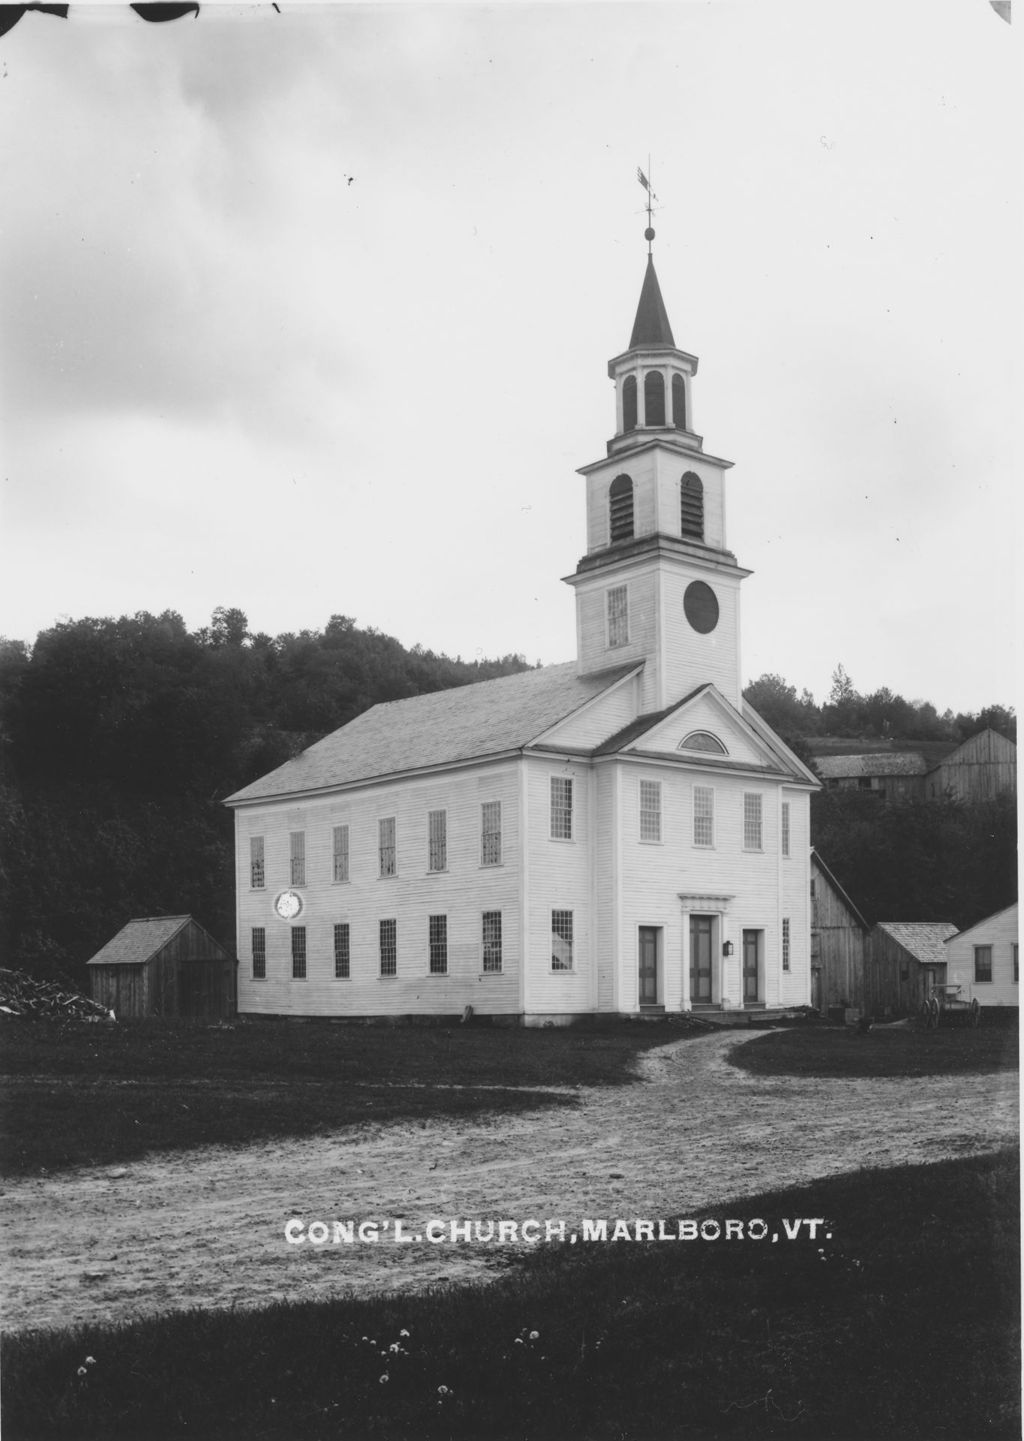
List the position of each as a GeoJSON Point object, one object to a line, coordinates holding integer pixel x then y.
{"type": "Point", "coordinates": [679, 402]}
{"type": "Point", "coordinates": [654, 398]}
{"type": "Point", "coordinates": [629, 403]}
{"type": "Point", "coordinates": [620, 508]}
{"type": "Point", "coordinates": [702, 741]}
{"type": "Point", "coordinates": [691, 506]}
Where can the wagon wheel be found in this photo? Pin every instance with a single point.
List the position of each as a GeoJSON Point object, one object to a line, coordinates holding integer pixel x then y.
{"type": "Point", "coordinates": [932, 1018]}
{"type": "Point", "coordinates": [975, 1014]}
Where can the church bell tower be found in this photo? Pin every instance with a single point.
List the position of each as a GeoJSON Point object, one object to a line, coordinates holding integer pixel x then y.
{"type": "Point", "coordinates": [657, 583]}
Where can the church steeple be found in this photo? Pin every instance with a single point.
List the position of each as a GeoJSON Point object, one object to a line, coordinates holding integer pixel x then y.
{"type": "Point", "coordinates": [657, 583]}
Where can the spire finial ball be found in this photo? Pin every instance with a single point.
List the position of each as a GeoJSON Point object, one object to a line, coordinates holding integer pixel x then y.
{"type": "Point", "coordinates": [648, 234]}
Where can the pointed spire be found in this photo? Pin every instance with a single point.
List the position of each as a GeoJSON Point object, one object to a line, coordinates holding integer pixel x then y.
{"type": "Point", "coordinates": [651, 325]}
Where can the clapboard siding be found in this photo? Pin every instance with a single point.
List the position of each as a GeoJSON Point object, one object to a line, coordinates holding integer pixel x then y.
{"type": "Point", "coordinates": [599, 720]}
{"type": "Point", "coordinates": [592, 626]}
{"type": "Point", "coordinates": [559, 879]}
{"type": "Point", "coordinates": [1001, 932]}
{"type": "Point", "coordinates": [462, 892]}
{"type": "Point", "coordinates": [691, 659]}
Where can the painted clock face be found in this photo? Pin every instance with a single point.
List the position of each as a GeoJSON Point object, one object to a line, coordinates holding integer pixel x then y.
{"type": "Point", "coordinates": [288, 905]}
{"type": "Point", "coordinates": [700, 605]}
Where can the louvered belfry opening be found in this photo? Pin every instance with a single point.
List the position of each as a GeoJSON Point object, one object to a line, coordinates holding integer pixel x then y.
{"type": "Point", "coordinates": [678, 402]}
{"type": "Point", "coordinates": [629, 403]}
{"type": "Point", "coordinates": [654, 398]}
{"type": "Point", "coordinates": [620, 508]}
{"type": "Point", "coordinates": [691, 506]}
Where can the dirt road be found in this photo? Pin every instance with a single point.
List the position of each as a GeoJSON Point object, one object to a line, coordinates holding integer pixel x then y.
{"type": "Point", "coordinates": [206, 1227]}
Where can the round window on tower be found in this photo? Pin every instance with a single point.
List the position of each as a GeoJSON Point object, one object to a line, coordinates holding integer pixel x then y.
{"type": "Point", "coordinates": [701, 607]}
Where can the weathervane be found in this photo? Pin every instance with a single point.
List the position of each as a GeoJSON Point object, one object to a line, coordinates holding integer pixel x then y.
{"type": "Point", "coordinates": [651, 197]}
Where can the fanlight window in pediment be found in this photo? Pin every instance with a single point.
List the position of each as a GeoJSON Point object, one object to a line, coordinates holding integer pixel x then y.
{"type": "Point", "coordinates": [703, 741]}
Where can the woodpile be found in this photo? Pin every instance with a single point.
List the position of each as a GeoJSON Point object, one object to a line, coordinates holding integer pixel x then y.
{"type": "Point", "coordinates": [24, 995]}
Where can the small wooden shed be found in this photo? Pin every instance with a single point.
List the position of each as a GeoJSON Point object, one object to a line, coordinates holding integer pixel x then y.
{"type": "Point", "coordinates": [165, 966]}
{"type": "Point", "coordinates": [839, 943]}
{"type": "Point", "coordinates": [904, 960]}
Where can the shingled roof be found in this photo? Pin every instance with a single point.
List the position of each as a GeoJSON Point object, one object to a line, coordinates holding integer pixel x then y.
{"type": "Point", "coordinates": [138, 940]}
{"type": "Point", "coordinates": [925, 940]}
{"type": "Point", "coordinates": [442, 728]}
{"type": "Point", "coordinates": [900, 763]}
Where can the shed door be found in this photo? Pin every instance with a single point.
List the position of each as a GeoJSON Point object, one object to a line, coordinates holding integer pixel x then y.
{"type": "Point", "coordinates": [700, 959]}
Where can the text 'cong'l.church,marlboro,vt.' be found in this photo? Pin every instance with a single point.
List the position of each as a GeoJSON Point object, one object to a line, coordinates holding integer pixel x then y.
{"type": "Point", "coordinates": [619, 834]}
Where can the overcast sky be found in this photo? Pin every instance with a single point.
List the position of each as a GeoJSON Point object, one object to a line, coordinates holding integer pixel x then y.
{"type": "Point", "coordinates": [309, 313]}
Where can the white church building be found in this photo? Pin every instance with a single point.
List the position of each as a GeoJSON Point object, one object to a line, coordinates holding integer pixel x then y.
{"type": "Point", "coordinates": [620, 834]}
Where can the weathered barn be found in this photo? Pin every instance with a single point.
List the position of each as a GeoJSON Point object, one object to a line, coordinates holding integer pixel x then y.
{"type": "Point", "coordinates": [983, 960]}
{"type": "Point", "coordinates": [904, 960]}
{"type": "Point", "coordinates": [891, 770]}
{"type": "Point", "coordinates": [983, 767]}
{"type": "Point", "coordinates": [839, 943]}
{"type": "Point", "coordinates": [165, 966]}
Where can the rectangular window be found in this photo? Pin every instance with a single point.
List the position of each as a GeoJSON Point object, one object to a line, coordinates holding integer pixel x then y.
{"type": "Point", "coordinates": [437, 840]}
{"type": "Point", "coordinates": [341, 853]}
{"type": "Point", "coordinates": [298, 953]}
{"type": "Point", "coordinates": [257, 869]}
{"type": "Point", "coordinates": [618, 616]}
{"type": "Point", "coordinates": [650, 810]}
{"type": "Point", "coordinates": [785, 943]}
{"type": "Point", "coordinates": [342, 952]}
{"type": "Point", "coordinates": [752, 822]}
{"type": "Point", "coordinates": [703, 816]}
{"type": "Point", "coordinates": [982, 963]}
{"type": "Point", "coordinates": [492, 942]}
{"type": "Point", "coordinates": [386, 857]}
{"type": "Point", "coordinates": [561, 940]}
{"type": "Point", "coordinates": [561, 808]}
{"type": "Point", "coordinates": [785, 828]}
{"type": "Point", "coordinates": [438, 937]}
{"type": "Point", "coordinates": [298, 857]}
{"type": "Point", "coordinates": [259, 953]}
{"type": "Point", "coordinates": [1016, 968]}
{"type": "Point", "coordinates": [490, 833]}
{"type": "Point", "coordinates": [389, 948]}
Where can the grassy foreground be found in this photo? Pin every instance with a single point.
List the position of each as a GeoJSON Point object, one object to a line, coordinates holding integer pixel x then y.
{"type": "Point", "coordinates": [85, 1094]}
{"type": "Point", "coordinates": [882, 1051]}
{"type": "Point", "coordinates": [903, 1325]}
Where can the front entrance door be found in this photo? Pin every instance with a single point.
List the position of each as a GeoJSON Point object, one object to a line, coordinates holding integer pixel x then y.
{"type": "Point", "coordinates": [648, 966]}
{"type": "Point", "coordinates": [751, 993]}
{"type": "Point", "coordinates": [700, 960]}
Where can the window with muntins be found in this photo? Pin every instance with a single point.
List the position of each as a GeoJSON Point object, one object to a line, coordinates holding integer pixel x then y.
{"type": "Point", "coordinates": [561, 808]}
{"type": "Point", "coordinates": [492, 942]}
{"type": "Point", "coordinates": [620, 508]}
{"type": "Point", "coordinates": [654, 398]}
{"type": "Point", "coordinates": [618, 616]}
{"type": "Point", "coordinates": [785, 828]}
{"type": "Point", "coordinates": [650, 810]}
{"type": "Point", "coordinates": [386, 857]}
{"type": "Point", "coordinates": [297, 840]}
{"type": "Point", "coordinates": [490, 833]}
{"type": "Point", "coordinates": [785, 943]}
{"type": "Point", "coordinates": [703, 816]}
{"type": "Point", "coordinates": [982, 963]}
{"type": "Point", "coordinates": [257, 868]}
{"type": "Point", "coordinates": [259, 953]}
{"type": "Point", "coordinates": [561, 940]}
{"type": "Point", "coordinates": [438, 940]}
{"type": "Point", "coordinates": [629, 403]}
{"type": "Point", "coordinates": [752, 824]}
{"type": "Point", "coordinates": [691, 506]}
{"type": "Point", "coordinates": [342, 951]}
{"type": "Point", "coordinates": [389, 948]}
{"type": "Point", "coordinates": [341, 853]}
{"type": "Point", "coordinates": [437, 840]}
{"type": "Point", "coordinates": [703, 741]}
{"type": "Point", "coordinates": [678, 402]}
{"type": "Point", "coordinates": [298, 953]}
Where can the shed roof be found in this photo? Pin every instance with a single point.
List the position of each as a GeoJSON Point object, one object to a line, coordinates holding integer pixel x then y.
{"type": "Point", "coordinates": [924, 940]}
{"type": "Point", "coordinates": [139, 940]}
{"type": "Point", "coordinates": [440, 728]}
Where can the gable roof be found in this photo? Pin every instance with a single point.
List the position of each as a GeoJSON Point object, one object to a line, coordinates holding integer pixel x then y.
{"type": "Point", "coordinates": [985, 922]}
{"type": "Point", "coordinates": [924, 940]}
{"type": "Point", "coordinates": [465, 723]}
{"type": "Point", "coordinates": [901, 763]}
{"type": "Point", "coordinates": [818, 864]}
{"type": "Point", "coordinates": [139, 940]}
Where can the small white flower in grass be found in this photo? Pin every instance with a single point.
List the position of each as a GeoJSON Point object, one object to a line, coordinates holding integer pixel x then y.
{"type": "Point", "coordinates": [403, 1333]}
{"type": "Point", "coordinates": [90, 1360]}
{"type": "Point", "coordinates": [82, 1371]}
{"type": "Point", "coordinates": [394, 1346]}
{"type": "Point", "coordinates": [443, 1391]}
{"type": "Point", "coordinates": [384, 1378]}
{"type": "Point", "coordinates": [519, 1340]}
{"type": "Point", "coordinates": [534, 1335]}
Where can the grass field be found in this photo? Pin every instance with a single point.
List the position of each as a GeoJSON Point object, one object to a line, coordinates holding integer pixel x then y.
{"type": "Point", "coordinates": [882, 1051]}
{"type": "Point", "coordinates": [85, 1094]}
{"type": "Point", "coordinates": [903, 1325]}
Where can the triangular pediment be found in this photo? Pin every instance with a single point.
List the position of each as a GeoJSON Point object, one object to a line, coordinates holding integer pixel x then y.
{"type": "Point", "coordinates": [705, 730]}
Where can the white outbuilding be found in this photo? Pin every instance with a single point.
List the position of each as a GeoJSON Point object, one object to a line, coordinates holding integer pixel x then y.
{"type": "Point", "coordinates": [983, 960]}
{"type": "Point", "coordinates": [617, 834]}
